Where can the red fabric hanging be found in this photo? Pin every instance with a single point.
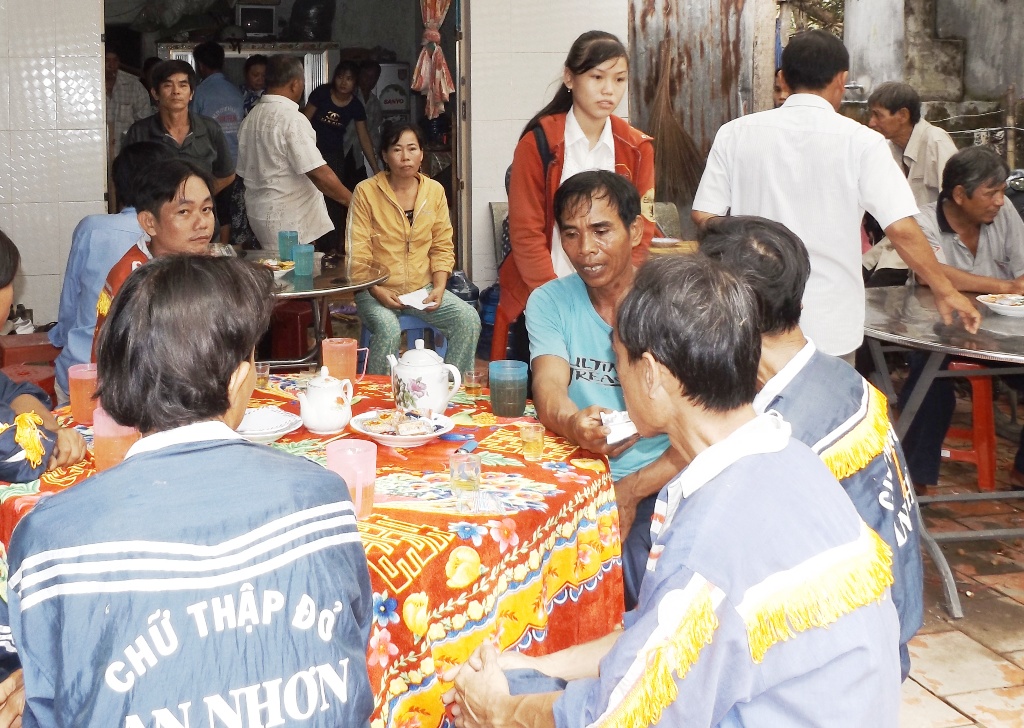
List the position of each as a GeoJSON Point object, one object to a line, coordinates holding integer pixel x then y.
{"type": "Point", "coordinates": [432, 77]}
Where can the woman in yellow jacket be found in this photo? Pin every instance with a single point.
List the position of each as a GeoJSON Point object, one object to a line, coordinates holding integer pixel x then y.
{"type": "Point", "coordinates": [399, 218]}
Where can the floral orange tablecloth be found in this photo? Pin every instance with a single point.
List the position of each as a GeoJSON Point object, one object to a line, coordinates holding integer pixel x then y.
{"type": "Point", "coordinates": [544, 575]}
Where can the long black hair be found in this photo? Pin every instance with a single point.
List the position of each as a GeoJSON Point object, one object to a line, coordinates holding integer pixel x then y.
{"type": "Point", "coordinates": [588, 51]}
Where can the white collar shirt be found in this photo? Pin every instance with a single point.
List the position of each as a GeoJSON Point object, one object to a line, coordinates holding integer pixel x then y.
{"type": "Point", "coordinates": [580, 157]}
{"type": "Point", "coordinates": [276, 148]}
{"type": "Point", "coordinates": [816, 172]}
{"type": "Point", "coordinates": [205, 431]}
{"type": "Point", "coordinates": [782, 379]}
{"type": "Point", "coordinates": [928, 150]}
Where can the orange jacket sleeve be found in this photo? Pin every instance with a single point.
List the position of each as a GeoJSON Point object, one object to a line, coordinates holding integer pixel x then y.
{"type": "Point", "coordinates": [528, 204]}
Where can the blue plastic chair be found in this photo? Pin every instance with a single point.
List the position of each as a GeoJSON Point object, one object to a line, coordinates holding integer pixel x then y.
{"type": "Point", "coordinates": [414, 328]}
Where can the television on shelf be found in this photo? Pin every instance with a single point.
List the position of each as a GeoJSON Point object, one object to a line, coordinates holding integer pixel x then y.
{"type": "Point", "coordinates": [258, 21]}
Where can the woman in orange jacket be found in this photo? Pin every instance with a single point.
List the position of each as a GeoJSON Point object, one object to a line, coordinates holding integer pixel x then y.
{"type": "Point", "coordinates": [577, 131]}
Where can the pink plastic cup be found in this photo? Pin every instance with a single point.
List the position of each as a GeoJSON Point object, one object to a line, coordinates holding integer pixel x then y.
{"type": "Point", "coordinates": [356, 462]}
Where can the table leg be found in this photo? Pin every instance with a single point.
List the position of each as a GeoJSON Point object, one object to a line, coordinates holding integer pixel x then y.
{"type": "Point", "coordinates": [882, 378]}
{"type": "Point", "coordinates": [924, 383]}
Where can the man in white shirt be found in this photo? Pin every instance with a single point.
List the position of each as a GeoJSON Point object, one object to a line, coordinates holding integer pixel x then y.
{"type": "Point", "coordinates": [817, 172]}
{"type": "Point", "coordinates": [283, 170]}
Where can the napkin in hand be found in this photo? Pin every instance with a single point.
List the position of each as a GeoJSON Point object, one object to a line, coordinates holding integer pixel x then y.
{"type": "Point", "coordinates": [415, 299]}
{"type": "Point", "coordinates": [621, 426]}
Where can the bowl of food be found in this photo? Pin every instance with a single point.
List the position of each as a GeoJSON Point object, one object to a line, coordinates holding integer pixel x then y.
{"type": "Point", "coordinates": [396, 429]}
{"type": "Point", "coordinates": [1005, 304]}
{"type": "Point", "coordinates": [280, 267]}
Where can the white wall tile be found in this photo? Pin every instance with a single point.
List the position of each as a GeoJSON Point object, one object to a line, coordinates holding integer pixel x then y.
{"type": "Point", "coordinates": [5, 86]}
{"type": "Point", "coordinates": [41, 293]}
{"type": "Point", "coordinates": [33, 91]}
{"type": "Point", "coordinates": [492, 86]}
{"type": "Point", "coordinates": [6, 218]}
{"type": "Point", "coordinates": [80, 92]}
{"type": "Point", "coordinates": [35, 229]}
{"type": "Point", "coordinates": [82, 175]}
{"type": "Point", "coordinates": [543, 25]}
{"type": "Point", "coordinates": [3, 28]}
{"type": "Point", "coordinates": [35, 166]}
{"type": "Point", "coordinates": [536, 78]}
{"type": "Point", "coordinates": [32, 28]}
{"type": "Point", "coordinates": [5, 167]}
{"type": "Point", "coordinates": [492, 146]}
{"type": "Point", "coordinates": [489, 26]}
{"type": "Point", "coordinates": [78, 28]}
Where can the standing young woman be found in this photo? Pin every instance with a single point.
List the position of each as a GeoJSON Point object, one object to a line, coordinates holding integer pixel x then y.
{"type": "Point", "coordinates": [331, 109]}
{"type": "Point", "coordinates": [576, 132]}
{"type": "Point", "coordinates": [400, 219]}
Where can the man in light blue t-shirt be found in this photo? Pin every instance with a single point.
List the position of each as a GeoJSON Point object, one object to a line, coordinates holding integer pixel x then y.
{"type": "Point", "coordinates": [574, 376]}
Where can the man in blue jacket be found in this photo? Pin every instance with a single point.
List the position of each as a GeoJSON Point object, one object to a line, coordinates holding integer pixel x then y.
{"type": "Point", "coordinates": [830, 407]}
{"type": "Point", "coordinates": [205, 580]}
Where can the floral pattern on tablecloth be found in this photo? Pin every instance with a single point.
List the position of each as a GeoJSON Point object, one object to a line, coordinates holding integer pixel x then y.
{"type": "Point", "coordinates": [444, 581]}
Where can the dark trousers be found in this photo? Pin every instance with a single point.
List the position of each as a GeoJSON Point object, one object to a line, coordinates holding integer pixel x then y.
{"type": "Point", "coordinates": [923, 441]}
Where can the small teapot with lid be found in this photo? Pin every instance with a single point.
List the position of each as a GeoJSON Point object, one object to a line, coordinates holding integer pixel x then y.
{"type": "Point", "coordinates": [420, 381]}
{"type": "Point", "coordinates": [326, 403]}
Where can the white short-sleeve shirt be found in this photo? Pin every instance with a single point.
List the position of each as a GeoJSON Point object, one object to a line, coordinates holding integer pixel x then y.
{"type": "Point", "coordinates": [276, 148]}
{"type": "Point", "coordinates": [816, 172]}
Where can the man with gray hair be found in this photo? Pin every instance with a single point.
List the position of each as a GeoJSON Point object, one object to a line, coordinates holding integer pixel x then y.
{"type": "Point", "coordinates": [283, 170]}
{"type": "Point", "coordinates": [980, 242]}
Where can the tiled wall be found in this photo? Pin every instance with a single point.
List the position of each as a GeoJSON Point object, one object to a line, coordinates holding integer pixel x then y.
{"type": "Point", "coordinates": [517, 49]}
{"type": "Point", "coordinates": [51, 136]}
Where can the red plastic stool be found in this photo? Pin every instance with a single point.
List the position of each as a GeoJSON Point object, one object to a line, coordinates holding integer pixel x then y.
{"type": "Point", "coordinates": [289, 325]}
{"type": "Point", "coordinates": [982, 432]}
{"type": "Point", "coordinates": [38, 374]}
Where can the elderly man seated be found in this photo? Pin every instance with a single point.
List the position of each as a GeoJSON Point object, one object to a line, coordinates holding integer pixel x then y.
{"type": "Point", "coordinates": [205, 580]}
{"type": "Point", "coordinates": [830, 407]}
{"type": "Point", "coordinates": [766, 599]}
{"type": "Point", "coordinates": [174, 204]}
{"type": "Point", "coordinates": [981, 243]}
{"type": "Point", "coordinates": [574, 378]}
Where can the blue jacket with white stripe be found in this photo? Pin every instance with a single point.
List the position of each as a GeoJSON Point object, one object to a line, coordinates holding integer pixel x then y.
{"type": "Point", "coordinates": [205, 583]}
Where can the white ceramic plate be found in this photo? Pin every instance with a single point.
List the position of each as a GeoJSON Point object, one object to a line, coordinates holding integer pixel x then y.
{"type": "Point", "coordinates": [267, 424]}
{"type": "Point", "coordinates": [446, 425]}
{"type": "Point", "coordinates": [1006, 304]}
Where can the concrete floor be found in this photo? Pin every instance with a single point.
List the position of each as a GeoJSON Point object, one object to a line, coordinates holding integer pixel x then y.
{"type": "Point", "coordinates": [970, 672]}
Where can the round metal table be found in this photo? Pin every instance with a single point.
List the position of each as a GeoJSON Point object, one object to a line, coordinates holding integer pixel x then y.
{"type": "Point", "coordinates": [906, 317]}
{"type": "Point", "coordinates": [346, 278]}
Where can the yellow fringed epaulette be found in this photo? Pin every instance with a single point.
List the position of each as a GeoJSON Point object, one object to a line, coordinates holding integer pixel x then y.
{"type": "Point", "coordinates": [817, 592]}
{"type": "Point", "coordinates": [866, 441]}
{"type": "Point", "coordinates": [656, 689]}
{"type": "Point", "coordinates": [103, 303]}
{"type": "Point", "coordinates": [28, 436]}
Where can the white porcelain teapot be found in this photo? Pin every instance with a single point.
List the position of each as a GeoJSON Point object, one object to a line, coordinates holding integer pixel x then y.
{"type": "Point", "coordinates": [420, 381]}
{"type": "Point", "coordinates": [326, 403]}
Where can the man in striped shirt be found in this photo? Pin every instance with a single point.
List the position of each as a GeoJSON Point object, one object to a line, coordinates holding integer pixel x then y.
{"type": "Point", "coordinates": [204, 581]}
